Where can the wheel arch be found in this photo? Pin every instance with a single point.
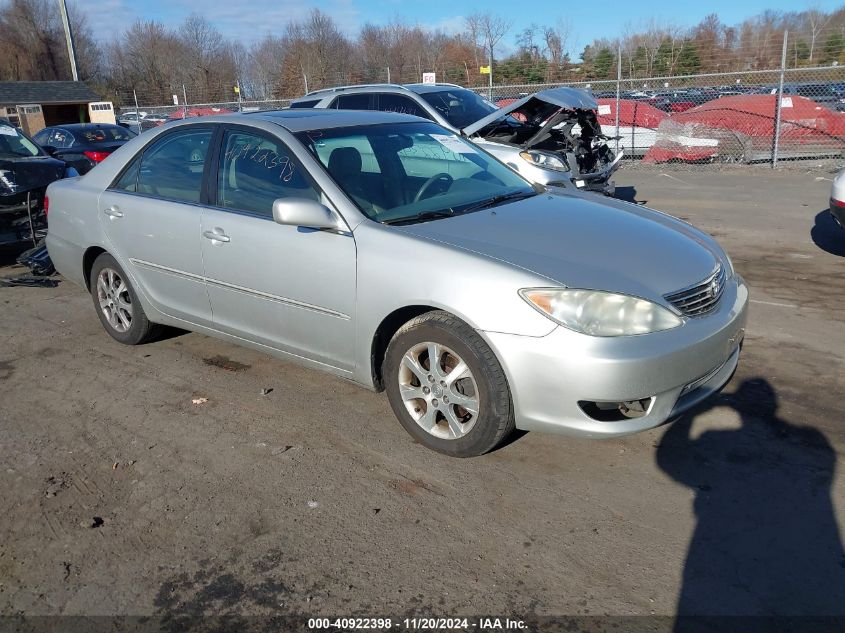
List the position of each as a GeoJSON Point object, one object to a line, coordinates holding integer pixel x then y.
{"type": "Point", "coordinates": [88, 259]}
{"type": "Point", "coordinates": [385, 331]}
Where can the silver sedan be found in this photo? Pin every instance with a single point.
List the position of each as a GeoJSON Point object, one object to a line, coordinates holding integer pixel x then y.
{"type": "Point", "coordinates": [389, 251]}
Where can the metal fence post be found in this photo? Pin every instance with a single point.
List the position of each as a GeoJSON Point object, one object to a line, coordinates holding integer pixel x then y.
{"type": "Point", "coordinates": [185, 101]}
{"type": "Point", "coordinates": [137, 115]}
{"type": "Point", "coordinates": [779, 103]}
{"type": "Point", "coordinates": [490, 80]}
{"type": "Point", "coordinates": [305, 77]}
{"type": "Point", "coordinates": [618, 88]}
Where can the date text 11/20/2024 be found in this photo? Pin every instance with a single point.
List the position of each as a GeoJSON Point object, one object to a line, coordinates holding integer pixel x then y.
{"type": "Point", "coordinates": [418, 624]}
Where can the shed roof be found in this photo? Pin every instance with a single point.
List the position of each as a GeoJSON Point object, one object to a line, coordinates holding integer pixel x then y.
{"type": "Point", "coordinates": [45, 92]}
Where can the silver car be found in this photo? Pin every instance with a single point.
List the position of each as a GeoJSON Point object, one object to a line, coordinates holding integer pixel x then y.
{"type": "Point", "coordinates": [390, 251]}
{"type": "Point", "coordinates": [551, 137]}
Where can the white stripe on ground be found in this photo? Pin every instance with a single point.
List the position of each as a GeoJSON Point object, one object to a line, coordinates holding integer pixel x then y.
{"type": "Point", "coordinates": [773, 303]}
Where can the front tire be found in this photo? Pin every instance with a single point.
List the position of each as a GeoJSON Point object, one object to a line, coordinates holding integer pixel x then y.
{"type": "Point", "coordinates": [117, 305]}
{"type": "Point", "coordinates": [446, 386]}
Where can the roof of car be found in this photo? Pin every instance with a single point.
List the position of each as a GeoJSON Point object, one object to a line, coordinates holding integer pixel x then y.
{"type": "Point", "coordinates": [425, 88]}
{"type": "Point", "coordinates": [316, 95]}
{"type": "Point", "coordinates": [83, 126]}
{"type": "Point", "coordinates": [303, 120]}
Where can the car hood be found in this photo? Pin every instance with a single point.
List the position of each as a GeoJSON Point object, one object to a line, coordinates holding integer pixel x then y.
{"type": "Point", "coordinates": [579, 243]}
{"type": "Point", "coordinates": [537, 107]}
{"type": "Point", "coordinates": [24, 174]}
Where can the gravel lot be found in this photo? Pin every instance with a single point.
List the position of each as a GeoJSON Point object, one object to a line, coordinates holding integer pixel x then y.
{"type": "Point", "coordinates": [312, 500]}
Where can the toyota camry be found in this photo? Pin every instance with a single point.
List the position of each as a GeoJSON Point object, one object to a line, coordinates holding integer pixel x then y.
{"type": "Point", "coordinates": [389, 251]}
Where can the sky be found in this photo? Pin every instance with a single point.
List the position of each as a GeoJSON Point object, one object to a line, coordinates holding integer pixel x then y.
{"type": "Point", "coordinates": [250, 21]}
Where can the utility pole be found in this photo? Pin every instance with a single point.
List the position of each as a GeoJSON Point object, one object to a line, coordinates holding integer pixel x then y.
{"type": "Point", "coordinates": [69, 39]}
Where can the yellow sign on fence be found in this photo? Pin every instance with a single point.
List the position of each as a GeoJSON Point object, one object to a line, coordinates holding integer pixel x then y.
{"type": "Point", "coordinates": [484, 70]}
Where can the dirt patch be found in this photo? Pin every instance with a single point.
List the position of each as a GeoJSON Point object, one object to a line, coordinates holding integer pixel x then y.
{"type": "Point", "coordinates": [224, 362]}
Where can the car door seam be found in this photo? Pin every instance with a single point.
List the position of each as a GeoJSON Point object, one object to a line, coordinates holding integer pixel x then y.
{"type": "Point", "coordinates": [223, 284]}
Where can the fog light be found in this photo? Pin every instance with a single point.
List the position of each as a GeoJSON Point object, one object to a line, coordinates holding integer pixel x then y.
{"type": "Point", "coordinates": [616, 411]}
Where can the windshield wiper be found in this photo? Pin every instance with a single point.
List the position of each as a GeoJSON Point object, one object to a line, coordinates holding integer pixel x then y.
{"type": "Point", "coordinates": [422, 217]}
{"type": "Point", "coordinates": [491, 202]}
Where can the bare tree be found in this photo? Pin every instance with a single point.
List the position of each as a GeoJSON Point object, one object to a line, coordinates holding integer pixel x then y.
{"type": "Point", "coordinates": [815, 21]}
{"type": "Point", "coordinates": [491, 29]}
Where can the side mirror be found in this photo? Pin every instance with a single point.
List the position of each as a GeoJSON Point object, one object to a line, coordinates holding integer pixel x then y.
{"type": "Point", "coordinates": [303, 212]}
{"type": "Point", "coordinates": [49, 149]}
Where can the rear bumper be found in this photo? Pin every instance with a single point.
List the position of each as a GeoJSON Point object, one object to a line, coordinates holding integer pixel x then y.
{"type": "Point", "coordinates": [67, 258]}
{"type": "Point", "coordinates": [551, 377]}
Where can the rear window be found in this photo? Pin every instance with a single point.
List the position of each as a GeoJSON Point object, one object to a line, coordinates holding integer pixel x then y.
{"type": "Point", "coordinates": [305, 104]}
{"type": "Point", "coordinates": [103, 135]}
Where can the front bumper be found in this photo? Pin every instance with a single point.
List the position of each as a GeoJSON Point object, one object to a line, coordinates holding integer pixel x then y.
{"type": "Point", "coordinates": [550, 375]}
{"type": "Point", "coordinates": [22, 217]}
{"type": "Point", "coordinates": [837, 210]}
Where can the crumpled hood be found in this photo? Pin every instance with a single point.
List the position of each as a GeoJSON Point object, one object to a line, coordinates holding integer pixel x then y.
{"type": "Point", "coordinates": [580, 243]}
{"type": "Point", "coordinates": [29, 173]}
{"type": "Point", "coordinates": [538, 107]}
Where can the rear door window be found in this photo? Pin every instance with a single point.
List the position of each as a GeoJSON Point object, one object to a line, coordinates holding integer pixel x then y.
{"type": "Point", "coordinates": [173, 166]}
{"type": "Point", "coordinates": [360, 101]}
{"type": "Point", "coordinates": [388, 102]}
{"type": "Point", "coordinates": [128, 181]}
{"type": "Point", "coordinates": [60, 138]}
{"type": "Point", "coordinates": [255, 170]}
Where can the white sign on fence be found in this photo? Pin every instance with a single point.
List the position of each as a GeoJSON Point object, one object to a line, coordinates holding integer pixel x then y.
{"type": "Point", "coordinates": [429, 78]}
{"type": "Point", "coordinates": [604, 108]}
{"type": "Point", "coordinates": [175, 100]}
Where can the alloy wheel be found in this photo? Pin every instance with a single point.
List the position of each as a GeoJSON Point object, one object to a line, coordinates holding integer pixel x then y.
{"type": "Point", "coordinates": [439, 390]}
{"type": "Point", "coordinates": [114, 299]}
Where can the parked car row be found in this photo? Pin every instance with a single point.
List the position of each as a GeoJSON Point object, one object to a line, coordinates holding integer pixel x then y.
{"type": "Point", "coordinates": [736, 128]}
{"type": "Point", "coordinates": [831, 95]}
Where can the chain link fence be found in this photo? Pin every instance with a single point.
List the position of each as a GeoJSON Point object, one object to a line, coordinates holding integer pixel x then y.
{"type": "Point", "coordinates": [744, 117]}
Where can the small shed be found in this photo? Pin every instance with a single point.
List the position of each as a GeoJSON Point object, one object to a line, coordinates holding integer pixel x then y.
{"type": "Point", "coordinates": [33, 105]}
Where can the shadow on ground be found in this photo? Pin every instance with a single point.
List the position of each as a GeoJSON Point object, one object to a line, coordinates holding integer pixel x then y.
{"type": "Point", "coordinates": [827, 234]}
{"type": "Point", "coordinates": [627, 193]}
{"type": "Point", "coordinates": [766, 541]}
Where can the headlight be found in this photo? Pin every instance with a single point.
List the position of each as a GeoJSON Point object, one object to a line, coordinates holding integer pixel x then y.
{"type": "Point", "coordinates": [545, 160]}
{"type": "Point", "coordinates": [7, 181]}
{"type": "Point", "coordinates": [600, 313]}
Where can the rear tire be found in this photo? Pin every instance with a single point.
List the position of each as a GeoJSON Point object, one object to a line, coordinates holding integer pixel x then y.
{"type": "Point", "coordinates": [459, 405]}
{"type": "Point", "coordinates": [117, 305]}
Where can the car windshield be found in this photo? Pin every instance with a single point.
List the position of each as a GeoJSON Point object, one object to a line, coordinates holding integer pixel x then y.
{"type": "Point", "coordinates": [412, 172]}
{"type": "Point", "coordinates": [103, 134]}
{"type": "Point", "coordinates": [458, 106]}
{"type": "Point", "coordinates": [13, 143]}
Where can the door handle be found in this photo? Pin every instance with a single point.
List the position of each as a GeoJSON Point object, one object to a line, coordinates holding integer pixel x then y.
{"type": "Point", "coordinates": [217, 235]}
{"type": "Point", "coordinates": [113, 212]}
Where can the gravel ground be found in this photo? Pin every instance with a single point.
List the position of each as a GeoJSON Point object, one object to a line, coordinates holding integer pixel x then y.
{"type": "Point", "coordinates": [119, 495]}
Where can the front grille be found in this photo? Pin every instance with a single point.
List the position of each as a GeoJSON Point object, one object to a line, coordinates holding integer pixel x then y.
{"type": "Point", "coordinates": [701, 298]}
